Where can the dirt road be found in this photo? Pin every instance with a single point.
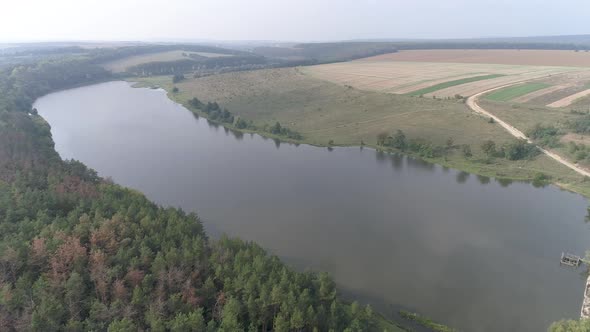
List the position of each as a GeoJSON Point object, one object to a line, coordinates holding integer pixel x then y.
{"type": "Point", "coordinates": [472, 103]}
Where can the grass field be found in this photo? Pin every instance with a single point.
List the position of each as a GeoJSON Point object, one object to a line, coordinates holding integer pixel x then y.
{"type": "Point", "coordinates": [448, 84]}
{"type": "Point", "coordinates": [322, 112]}
{"type": "Point", "coordinates": [525, 117]}
{"type": "Point", "coordinates": [512, 92]}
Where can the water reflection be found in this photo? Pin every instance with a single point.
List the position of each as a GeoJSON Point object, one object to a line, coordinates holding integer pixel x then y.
{"type": "Point", "coordinates": [421, 164]}
{"type": "Point", "coordinates": [483, 179]}
{"type": "Point", "coordinates": [462, 177]}
{"type": "Point", "coordinates": [504, 182]}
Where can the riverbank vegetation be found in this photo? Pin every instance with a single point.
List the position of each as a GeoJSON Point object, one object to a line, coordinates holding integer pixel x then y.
{"type": "Point", "coordinates": [78, 252]}
{"type": "Point", "coordinates": [426, 322]}
{"type": "Point", "coordinates": [326, 114]}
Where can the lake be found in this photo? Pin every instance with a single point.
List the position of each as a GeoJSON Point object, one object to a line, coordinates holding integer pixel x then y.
{"type": "Point", "coordinates": [396, 232]}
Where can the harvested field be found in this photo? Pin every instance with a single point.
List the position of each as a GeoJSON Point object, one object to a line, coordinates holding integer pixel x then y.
{"type": "Point", "coordinates": [448, 84]}
{"type": "Point", "coordinates": [121, 65]}
{"type": "Point", "coordinates": [512, 92]}
{"type": "Point", "coordinates": [536, 94]}
{"type": "Point", "coordinates": [570, 99]}
{"type": "Point", "coordinates": [562, 86]}
{"type": "Point", "coordinates": [437, 79]}
{"type": "Point", "coordinates": [506, 57]}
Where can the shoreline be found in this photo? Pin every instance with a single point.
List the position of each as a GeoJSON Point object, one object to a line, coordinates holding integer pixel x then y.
{"type": "Point", "coordinates": [469, 167]}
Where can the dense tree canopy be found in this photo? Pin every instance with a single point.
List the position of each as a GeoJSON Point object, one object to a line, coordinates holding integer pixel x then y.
{"type": "Point", "coordinates": [78, 252]}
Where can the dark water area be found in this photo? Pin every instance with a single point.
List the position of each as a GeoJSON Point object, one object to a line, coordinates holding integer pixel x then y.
{"type": "Point", "coordinates": [468, 251]}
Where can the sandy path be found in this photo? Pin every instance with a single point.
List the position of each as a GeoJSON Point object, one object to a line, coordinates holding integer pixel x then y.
{"type": "Point", "coordinates": [472, 103]}
{"type": "Point", "coordinates": [569, 99]}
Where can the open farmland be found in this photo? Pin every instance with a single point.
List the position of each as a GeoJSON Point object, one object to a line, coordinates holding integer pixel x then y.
{"type": "Point", "coordinates": [448, 84]}
{"type": "Point", "coordinates": [514, 91]}
{"type": "Point", "coordinates": [570, 99]}
{"type": "Point", "coordinates": [121, 65]}
{"type": "Point", "coordinates": [505, 57]}
{"type": "Point", "coordinates": [402, 77]}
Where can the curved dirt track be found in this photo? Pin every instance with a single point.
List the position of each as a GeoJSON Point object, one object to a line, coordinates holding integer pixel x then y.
{"type": "Point", "coordinates": [472, 103]}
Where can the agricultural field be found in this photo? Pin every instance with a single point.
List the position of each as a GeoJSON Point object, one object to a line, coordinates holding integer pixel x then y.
{"type": "Point", "coordinates": [442, 80]}
{"type": "Point", "coordinates": [504, 57]}
{"type": "Point", "coordinates": [515, 91]}
{"type": "Point", "coordinates": [121, 65]}
{"type": "Point", "coordinates": [448, 84]}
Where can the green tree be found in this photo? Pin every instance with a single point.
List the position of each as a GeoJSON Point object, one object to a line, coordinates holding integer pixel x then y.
{"type": "Point", "coordinates": [489, 148]}
{"type": "Point", "coordinates": [466, 150]}
{"type": "Point", "coordinates": [399, 140]}
{"type": "Point", "coordinates": [276, 129]}
{"type": "Point", "coordinates": [281, 324]}
{"type": "Point", "coordinates": [582, 325]}
{"type": "Point", "coordinates": [230, 317]}
{"type": "Point", "coordinates": [297, 320]}
{"type": "Point", "coordinates": [123, 325]}
{"type": "Point", "coordinates": [192, 322]}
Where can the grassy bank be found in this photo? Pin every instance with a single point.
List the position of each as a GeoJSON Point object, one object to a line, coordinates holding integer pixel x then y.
{"type": "Point", "coordinates": [326, 114]}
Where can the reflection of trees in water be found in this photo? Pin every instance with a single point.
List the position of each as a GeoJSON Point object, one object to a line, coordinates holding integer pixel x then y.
{"type": "Point", "coordinates": [238, 135]}
{"type": "Point", "coordinates": [277, 142]}
{"type": "Point", "coordinates": [397, 161]}
{"type": "Point", "coordinates": [504, 182]}
{"type": "Point", "coordinates": [213, 125]}
{"type": "Point", "coordinates": [421, 164]}
{"type": "Point", "coordinates": [380, 156]}
{"type": "Point", "coordinates": [445, 169]}
{"type": "Point", "coordinates": [483, 179]}
{"type": "Point", "coordinates": [462, 177]}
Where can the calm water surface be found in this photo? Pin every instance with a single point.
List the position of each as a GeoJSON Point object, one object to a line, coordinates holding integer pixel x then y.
{"type": "Point", "coordinates": [393, 231]}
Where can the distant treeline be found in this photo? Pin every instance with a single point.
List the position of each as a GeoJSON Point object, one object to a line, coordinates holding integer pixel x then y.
{"type": "Point", "coordinates": [200, 66]}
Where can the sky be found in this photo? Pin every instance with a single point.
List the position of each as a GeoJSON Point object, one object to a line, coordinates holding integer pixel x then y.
{"type": "Point", "coordinates": [287, 20]}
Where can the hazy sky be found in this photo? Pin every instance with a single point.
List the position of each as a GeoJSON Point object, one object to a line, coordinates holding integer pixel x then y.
{"type": "Point", "coordinates": [287, 19]}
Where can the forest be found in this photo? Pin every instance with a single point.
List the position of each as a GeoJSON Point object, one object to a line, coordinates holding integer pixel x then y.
{"type": "Point", "coordinates": [78, 252]}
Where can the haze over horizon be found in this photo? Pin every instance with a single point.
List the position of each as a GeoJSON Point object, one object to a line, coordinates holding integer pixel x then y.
{"type": "Point", "coordinates": [304, 20]}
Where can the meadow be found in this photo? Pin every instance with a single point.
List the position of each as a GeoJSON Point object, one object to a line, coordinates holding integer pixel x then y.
{"type": "Point", "coordinates": [328, 114]}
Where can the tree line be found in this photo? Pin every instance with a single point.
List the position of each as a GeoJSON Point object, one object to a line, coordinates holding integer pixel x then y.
{"type": "Point", "coordinates": [515, 150]}
{"type": "Point", "coordinates": [216, 113]}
